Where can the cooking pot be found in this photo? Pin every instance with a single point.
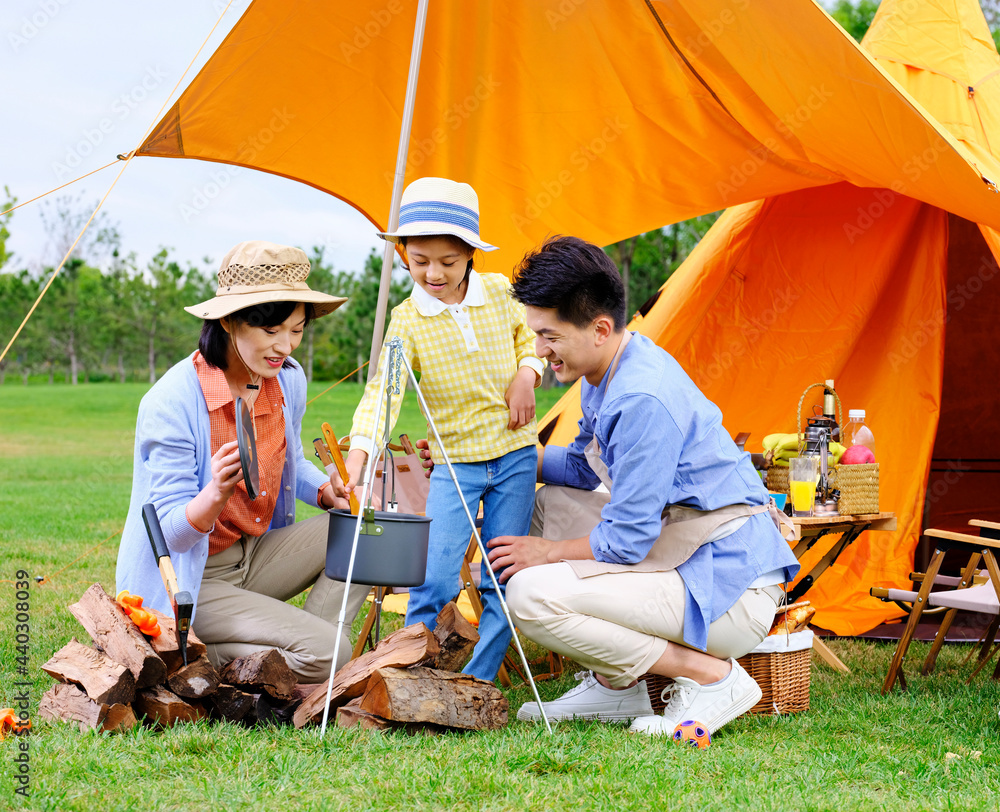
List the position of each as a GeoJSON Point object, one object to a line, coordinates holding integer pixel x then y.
{"type": "Point", "coordinates": [392, 547]}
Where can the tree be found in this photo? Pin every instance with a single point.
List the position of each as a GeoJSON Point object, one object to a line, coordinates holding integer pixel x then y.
{"type": "Point", "coordinates": [322, 336]}
{"type": "Point", "coordinates": [4, 233]}
{"type": "Point", "coordinates": [855, 19]}
{"type": "Point", "coordinates": [352, 339]}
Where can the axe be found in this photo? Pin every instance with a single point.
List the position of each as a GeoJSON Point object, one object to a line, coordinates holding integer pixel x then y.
{"type": "Point", "coordinates": [180, 602]}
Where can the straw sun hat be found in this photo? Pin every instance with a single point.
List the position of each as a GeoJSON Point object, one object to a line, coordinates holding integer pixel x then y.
{"type": "Point", "coordinates": [435, 206]}
{"type": "Point", "coordinates": [257, 272]}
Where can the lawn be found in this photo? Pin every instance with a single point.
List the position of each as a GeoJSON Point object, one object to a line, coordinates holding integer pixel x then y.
{"type": "Point", "coordinates": [64, 486]}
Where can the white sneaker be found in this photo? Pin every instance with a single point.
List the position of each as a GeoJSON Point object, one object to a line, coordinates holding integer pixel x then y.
{"type": "Point", "coordinates": [712, 705]}
{"type": "Point", "coordinates": [592, 701]}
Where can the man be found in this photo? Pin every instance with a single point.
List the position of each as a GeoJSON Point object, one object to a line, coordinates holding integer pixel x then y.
{"type": "Point", "coordinates": [677, 570]}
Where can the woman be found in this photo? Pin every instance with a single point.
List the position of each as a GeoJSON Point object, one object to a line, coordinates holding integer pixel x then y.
{"type": "Point", "coordinates": [240, 558]}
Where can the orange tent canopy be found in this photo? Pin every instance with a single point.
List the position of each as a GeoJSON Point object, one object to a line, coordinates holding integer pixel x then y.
{"type": "Point", "coordinates": [602, 119]}
{"type": "Point", "coordinates": [888, 293]}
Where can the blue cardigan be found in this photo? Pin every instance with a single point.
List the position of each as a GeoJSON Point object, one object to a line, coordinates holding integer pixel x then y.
{"type": "Point", "coordinates": [173, 462]}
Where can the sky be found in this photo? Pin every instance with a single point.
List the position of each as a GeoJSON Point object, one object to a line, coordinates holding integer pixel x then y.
{"type": "Point", "coordinates": [83, 81]}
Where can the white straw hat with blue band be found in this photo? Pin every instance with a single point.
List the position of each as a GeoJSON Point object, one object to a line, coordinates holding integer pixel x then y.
{"type": "Point", "coordinates": [435, 206]}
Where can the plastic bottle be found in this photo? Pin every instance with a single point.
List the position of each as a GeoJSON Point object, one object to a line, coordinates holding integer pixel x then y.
{"type": "Point", "coordinates": [856, 432]}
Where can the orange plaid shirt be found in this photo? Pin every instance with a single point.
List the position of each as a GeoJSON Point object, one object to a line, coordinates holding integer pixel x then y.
{"type": "Point", "coordinates": [241, 514]}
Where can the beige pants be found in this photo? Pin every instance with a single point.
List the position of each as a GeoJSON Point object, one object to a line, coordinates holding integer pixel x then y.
{"type": "Point", "coordinates": [241, 601]}
{"type": "Point", "coordinates": [619, 624]}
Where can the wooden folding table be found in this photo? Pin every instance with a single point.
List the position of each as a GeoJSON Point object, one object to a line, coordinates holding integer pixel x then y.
{"type": "Point", "coordinates": [813, 530]}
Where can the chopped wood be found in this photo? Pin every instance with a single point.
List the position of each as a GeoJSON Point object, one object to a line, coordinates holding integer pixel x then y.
{"type": "Point", "coordinates": [116, 634]}
{"type": "Point", "coordinates": [270, 711]}
{"type": "Point", "coordinates": [105, 681]}
{"type": "Point", "coordinates": [230, 703]}
{"type": "Point", "coordinates": [166, 643]}
{"type": "Point", "coordinates": [196, 680]}
{"type": "Point", "coordinates": [66, 701]}
{"type": "Point", "coordinates": [352, 715]}
{"type": "Point", "coordinates": [440, 697]}
{"type": "Point", "coordinates": [408, 646]}
{"type": "Point", "coordinates": [263, 671]}
{"type": "Point", "coordinates": [304, 690]}
{"type": "Point", "coordinates": [165, 708]}
{"type": "Point", "coordinates": [457, 638]}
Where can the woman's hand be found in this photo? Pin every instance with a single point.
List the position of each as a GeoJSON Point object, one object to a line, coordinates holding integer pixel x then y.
{"type": "Point", "coordinates": [520, 398]}
{"type": "Point", "coordinates": [355, 464]}
{"type": "Point", "coordinates": [226, 471]}
{"type": "Point", "coordinates": [204, 509]}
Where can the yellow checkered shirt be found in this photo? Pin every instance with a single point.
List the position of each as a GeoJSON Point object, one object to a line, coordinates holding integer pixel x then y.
{"type": "Point", "coordinates": [464, 389]}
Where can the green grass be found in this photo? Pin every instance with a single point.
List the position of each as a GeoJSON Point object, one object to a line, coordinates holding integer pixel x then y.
{"type": "Point", "coordinates": [65, 473]}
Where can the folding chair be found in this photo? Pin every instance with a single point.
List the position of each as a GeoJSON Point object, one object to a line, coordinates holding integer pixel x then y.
{"type": "Point", "coordinates": [971, 591]}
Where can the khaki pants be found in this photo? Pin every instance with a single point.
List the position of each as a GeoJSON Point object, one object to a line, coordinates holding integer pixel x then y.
{"type": "Point", "coordinates": [619, 624]}
{"type": "Point", "coordinates": [241, 601]}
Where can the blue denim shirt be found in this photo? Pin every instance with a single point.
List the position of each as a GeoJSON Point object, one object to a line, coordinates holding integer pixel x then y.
{"type": "Point", "coordinates": [664, 444]}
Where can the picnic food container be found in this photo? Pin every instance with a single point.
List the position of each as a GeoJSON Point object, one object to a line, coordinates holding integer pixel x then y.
{"type": "Point", "coordinates": [858, 484]}
{"type": "Point", "coordinates": [392, 548]}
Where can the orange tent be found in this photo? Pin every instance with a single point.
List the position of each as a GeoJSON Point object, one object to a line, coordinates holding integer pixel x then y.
{"type": "Point", "coordinates": [888, 293]}
{"type": "Point", "coordinates": [607, 118]}
{"type": "Point", "coordinates": [602, 119]}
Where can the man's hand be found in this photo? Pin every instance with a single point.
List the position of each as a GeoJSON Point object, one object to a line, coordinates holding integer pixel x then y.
{"type": "Point", "coordinates": [424, 452]}
{"type": "Point", "coordinates": [510, 554]}
{"type": "Point", "coordinates": [520, 398]}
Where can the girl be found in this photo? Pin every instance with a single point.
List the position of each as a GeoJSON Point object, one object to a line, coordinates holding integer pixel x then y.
{"type": "Point", "coordinates": [469, 340]}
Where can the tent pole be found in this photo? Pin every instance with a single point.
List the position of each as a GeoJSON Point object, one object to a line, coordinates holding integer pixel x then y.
{"type": "Point", "coordinates": [397, 186]}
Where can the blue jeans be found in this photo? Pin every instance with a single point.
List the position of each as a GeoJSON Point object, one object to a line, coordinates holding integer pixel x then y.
{"type": "Point", "coordinates": [506, 486]}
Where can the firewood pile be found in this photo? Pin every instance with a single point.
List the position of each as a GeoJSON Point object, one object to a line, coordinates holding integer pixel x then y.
{"type": "Point", "coordinates": [408, 681]}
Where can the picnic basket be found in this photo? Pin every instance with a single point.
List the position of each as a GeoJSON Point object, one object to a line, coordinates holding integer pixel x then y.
{"type": "Point", "coordinates": [780, 665]}
{"type": "Point", "coordinates": [858, 484]}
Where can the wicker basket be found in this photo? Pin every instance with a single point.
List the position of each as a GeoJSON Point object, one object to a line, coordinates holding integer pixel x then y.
{"type": "Point", "coordinates": [858, 486]}
{"type": "Point", "coordinates": [783, 677]}
{"type": "Point", "coordinates": [777, 480]}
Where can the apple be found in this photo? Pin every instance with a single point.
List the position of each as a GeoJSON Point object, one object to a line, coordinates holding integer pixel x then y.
{"type": "Point", "coordinates": [857, 455]}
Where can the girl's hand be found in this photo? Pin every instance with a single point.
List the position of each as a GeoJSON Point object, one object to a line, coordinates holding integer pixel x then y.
{"type": "Point", "coordinates": [424, 452]}
{"type": "Point", "coordinates": [226, 471]}
{"type": "Point", "coordinates": [520, 398]}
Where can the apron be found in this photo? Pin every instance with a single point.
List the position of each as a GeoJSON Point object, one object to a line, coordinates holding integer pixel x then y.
{"type": "Point", "coordinates": [571, 513]}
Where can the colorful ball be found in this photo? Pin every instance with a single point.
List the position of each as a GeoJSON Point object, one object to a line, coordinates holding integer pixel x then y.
{"type": "Point", "coordinates": [693, 733]}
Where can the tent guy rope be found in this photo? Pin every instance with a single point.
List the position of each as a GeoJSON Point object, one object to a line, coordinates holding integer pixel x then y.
{"type": "Point", "coordinates": [67, 183]}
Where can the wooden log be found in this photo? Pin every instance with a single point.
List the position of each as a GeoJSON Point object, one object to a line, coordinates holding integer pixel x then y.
{"type": "Point", "coordinates": [230, 703]}
{"type": "Point", "coordinates": [67, 702]}
{"type": "Point", "coordinates": [165, 644]}
{"type": "Point", "coordinates": [116, 634]}
{"type": "Point", "coordinates": [105, 681]}
{"type": "Point", "coordinates": [352, 715]}
{"type": "Point", "coordinates": [408, 646]}
{"type": "Point", "coordinates": [195, 680]}
{"type": "Point", "coordinates": [165, 708]}
{"type": "Point", "coordinates": [263, 671]}
{"type": "Point", "coordinates": [440, 697]}
{"type": "Point", "coordinates": [456, 636]}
